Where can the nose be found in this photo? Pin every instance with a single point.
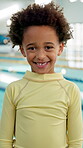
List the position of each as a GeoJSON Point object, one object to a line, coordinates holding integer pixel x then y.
{"type": "Point", "coordinates": [40, 55]}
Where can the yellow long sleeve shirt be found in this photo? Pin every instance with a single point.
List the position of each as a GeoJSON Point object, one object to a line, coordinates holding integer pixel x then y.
{"type": "Point", "coordinates": [41, 111]}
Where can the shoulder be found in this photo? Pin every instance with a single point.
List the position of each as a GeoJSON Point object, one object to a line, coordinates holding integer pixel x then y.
{"type": "Point", "coordinates": [15, 87]}
{"type": "Point", "coordinates": [16, 84]}
{"type": "Point", "coordinates": [72, 85]}
{"type": "Point", "coordinates": [70, 88]}
{"type": "Point", "coordinates": [73, 91]}
{"type": "Point", "coordinates": [67, 84]}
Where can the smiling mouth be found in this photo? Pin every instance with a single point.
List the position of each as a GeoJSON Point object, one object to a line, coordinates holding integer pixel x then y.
{"type": "Point", "coordinates": [41, 64]}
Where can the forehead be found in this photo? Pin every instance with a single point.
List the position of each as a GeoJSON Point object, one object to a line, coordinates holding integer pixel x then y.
{"type": "Point", "coordinates": [39, 32]}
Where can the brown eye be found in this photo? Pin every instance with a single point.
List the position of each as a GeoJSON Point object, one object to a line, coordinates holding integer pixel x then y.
{"type": "Point", "coordinates": [31, 48]}
{"type": "Point", "coordinates": [48, 47]}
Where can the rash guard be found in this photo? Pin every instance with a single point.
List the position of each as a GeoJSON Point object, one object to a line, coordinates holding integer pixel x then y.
{"type": "Point", "coordinates": [41, 111]}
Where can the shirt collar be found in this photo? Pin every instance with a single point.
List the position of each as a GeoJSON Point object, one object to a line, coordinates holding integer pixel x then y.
{"type": "Point", "coordinates": [42, 77]}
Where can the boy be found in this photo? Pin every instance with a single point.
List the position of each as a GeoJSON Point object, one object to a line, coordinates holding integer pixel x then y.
{"type": "Point", "coordinates": [43, 109]}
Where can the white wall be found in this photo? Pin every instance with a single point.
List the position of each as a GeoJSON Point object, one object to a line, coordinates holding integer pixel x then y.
{"type": "Point", "coordinates": [73, 11]}
{"type": "Point", "coordinates": [3, 22]}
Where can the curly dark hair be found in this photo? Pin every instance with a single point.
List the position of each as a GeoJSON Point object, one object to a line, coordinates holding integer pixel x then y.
{"type": "Point", "coordinates": [37, 15]}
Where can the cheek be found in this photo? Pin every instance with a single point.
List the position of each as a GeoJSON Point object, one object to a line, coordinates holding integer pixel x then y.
{"type": "Point", "coordinates": [53, 56]}
{"type": "Point", "coordinates": [30, 57]}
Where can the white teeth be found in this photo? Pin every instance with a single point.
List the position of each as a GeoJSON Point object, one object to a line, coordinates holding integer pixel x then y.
{"type": "Point", "coordinates": [41, 63]}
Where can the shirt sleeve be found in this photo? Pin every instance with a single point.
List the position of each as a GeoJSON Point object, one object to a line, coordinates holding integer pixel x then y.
{"type": "Point", "coordinates": [74, 124]}
{"type": "Point", "coordinates": [7, 121]}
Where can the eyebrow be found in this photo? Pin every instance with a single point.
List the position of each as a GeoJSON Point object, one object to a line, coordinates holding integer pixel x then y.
{"type": "Point", "coordinates": [30, 44]}
{"type": "Point", "coordinates": [35, 43]}
{"type": "Point", "coordinates": [49, 43]}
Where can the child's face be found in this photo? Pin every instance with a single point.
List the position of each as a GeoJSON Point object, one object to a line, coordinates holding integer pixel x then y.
{"type": "Point", "coordinates": [41, 46]}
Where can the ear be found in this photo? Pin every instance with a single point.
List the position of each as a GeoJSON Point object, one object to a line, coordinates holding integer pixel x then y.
{"type": "Point", "coordinates": [22, 51]}
{"type": "Point", "coordinates": [61, 47]}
